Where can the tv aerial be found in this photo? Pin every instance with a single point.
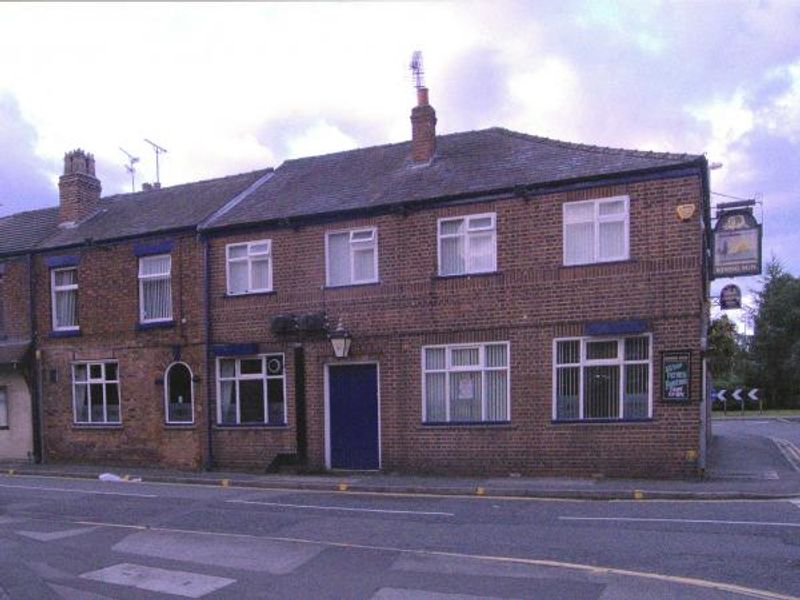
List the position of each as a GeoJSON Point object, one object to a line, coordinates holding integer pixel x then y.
{"type": "Point", "coordinates": [416, 69]}
{"type": "Point", "coordinates": [158, 150]}
{"type": "Point", "coordinates": [132, 160]}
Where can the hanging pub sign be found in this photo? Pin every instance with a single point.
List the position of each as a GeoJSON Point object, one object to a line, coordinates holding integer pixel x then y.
{"type": "Point", "coordinates": [730, 297]}
{"type": "Point", "coordinates": [737, 244]}
{"type": "Point", "coordinates": [675, 375]}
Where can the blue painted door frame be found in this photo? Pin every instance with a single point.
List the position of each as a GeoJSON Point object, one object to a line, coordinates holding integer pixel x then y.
{"type": "Point", "coordinates": [353, 416]}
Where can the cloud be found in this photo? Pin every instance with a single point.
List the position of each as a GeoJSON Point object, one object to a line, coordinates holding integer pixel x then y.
{"type": "Point", "coordinates": [25, 178]}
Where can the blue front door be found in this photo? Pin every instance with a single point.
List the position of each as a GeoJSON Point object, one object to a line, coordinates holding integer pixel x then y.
{"type": "Point", "coordinates": [353, 403]}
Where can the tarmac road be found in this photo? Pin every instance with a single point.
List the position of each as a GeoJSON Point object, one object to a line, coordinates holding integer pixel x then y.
{"type": "Point", "coordinates": [90, 540]}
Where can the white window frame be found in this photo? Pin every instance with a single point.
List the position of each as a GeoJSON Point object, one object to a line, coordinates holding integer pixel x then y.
{"type": "Point", "coordinates": [5, 421]}
{"type": "Point", "coordinates": [619, 361]}
{"type": "Point", "coordinates": [468, 231]}
{"type": "Point", "coordinates": [264, 376]}
{"type": "Point", "coordinates": [143, 278]}
{"type": "Point", "coordinates": [249, 259]}
{"type": "Point", "coordinates": [55, 289]}
{"type": "Point", "coordinates": [479, 368]}
{"type": "Point", "coordinates": [596, 220]}
{"type": "Point", "coordinates": [167, 394]}
{"type": "Point", "coordinates": [352, 242]}
{"type": "Point", "coordinates": [95, 380]}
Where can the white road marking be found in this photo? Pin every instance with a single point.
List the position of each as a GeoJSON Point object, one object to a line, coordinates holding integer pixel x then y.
{"type": "Point", "coordinates": [583, 568]}
{"type": "Point", "coordinates": [345, 508]}
{"type": "Point", "coordinates": [691, 521]}
{"type": "Point", "coordinates": [790, 452]}
{"type": "Point", "coordinates": [796, 502]}
{"type": "Point", "coordinates": [49, 536]}
{"type": "Point", "coordinates": [76, 491]}
{"type": "Point", "coordinates": [177, 583]}
{"type": "Point", "coordinates": [407, 594]}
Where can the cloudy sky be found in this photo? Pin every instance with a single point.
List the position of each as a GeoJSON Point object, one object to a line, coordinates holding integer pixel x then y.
{"type": "Point", "coordinates": [231, 88]}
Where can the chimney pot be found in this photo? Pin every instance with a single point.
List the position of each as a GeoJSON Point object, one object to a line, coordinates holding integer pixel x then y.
{"type": "Point", "coordinates": [423, 129]}
{"type": "Point", "coordinates": [79, 189]}
{"type": "Point", "coordinates": [146, 187]}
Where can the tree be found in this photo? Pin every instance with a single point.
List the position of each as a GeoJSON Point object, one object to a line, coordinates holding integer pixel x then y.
{"type": "Point", "coordinates": [722, 349]}
{"type": "Point", "coordinates": [776, 343]}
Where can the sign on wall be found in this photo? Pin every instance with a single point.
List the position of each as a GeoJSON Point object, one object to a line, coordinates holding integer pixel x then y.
{"type": "Point", "coordinates": [675, 369]}
{"type": "Point", "coordinates": [730, 297]}
{"type": "Point", "coordinates": [737, 244]}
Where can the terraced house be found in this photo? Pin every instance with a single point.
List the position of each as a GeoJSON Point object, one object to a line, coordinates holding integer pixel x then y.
{"type": "Point", "coordinates": [485, 301]}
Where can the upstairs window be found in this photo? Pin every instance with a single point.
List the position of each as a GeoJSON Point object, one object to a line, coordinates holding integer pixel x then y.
{"type": "Point", "coordinates": [467, 245]}
{"type": "Point", "coordinates": [351, 257]}
{"type": "Point", "coordinates": [155, 288]}
{"type": "Point", "coordinates": [64, 291]}
{"type": "Point", "coordinates": [249, 267]}
{"type": "Point", "coordinates": [95, 392]}
{"type": "Point", "coordinates": [465, 383]}
{"type": "Point", "coordinates": [596, 231]}
{"type": "Point", "coordinates": [605, 379]}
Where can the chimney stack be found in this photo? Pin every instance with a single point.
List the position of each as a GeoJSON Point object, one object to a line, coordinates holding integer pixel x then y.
{"type": "Point", "coordinates": [423, 128]}
{"type": "Point", "coordinates": [79, 189]}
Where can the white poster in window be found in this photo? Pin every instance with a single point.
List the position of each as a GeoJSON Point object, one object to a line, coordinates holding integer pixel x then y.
{"type": "Point", "coordinates": [466, 388]}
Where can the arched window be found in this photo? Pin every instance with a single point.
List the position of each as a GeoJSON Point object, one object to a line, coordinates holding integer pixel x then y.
{"type": "Point", "coordinates": [178, 394]}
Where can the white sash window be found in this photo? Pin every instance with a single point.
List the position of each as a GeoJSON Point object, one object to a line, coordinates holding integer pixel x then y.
{"type": "Point", "coordinates": [155, 288]}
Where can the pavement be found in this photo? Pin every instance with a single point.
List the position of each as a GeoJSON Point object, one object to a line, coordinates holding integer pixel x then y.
{"type": "Point", "coordinates": [748, 459]}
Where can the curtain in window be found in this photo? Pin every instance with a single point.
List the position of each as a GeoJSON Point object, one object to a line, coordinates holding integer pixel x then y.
{"type": "Point", "coordinates": [567, 391]}
{"type": "Point", "coordinates": [154, 272]}
{"type": "Point", "coordinates": [496, 396]}
{"type": "Point", "coordinates": [612, 240]}
{"type": "Point", "coordinates": [66, 300]}
{"type": "Point", "coordinates": [637, 381]}
{"type": "Point", "coordinates": [227, 401]}
{"type": "Point", "coordinates": [435, 398]}
{"type": "Point", "coordinates": [339, 258]}
{"type": "Point", "coordinates": [481, 252]}
{"type": "Point", "coordinates": [260, 274]}
{"type": "Point", "coordinates": [363, 264]}
{"type": "Point", "coordinates": [580, 242]}
{"type": "Point", "coordinates": [81, 403]}
{"type": "Point", "coordinates": [453, 256]}
{"type": "Point", "coordinates": [237, 277]}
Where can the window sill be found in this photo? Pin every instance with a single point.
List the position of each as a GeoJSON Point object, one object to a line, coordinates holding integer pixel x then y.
{"type": "Point", "coordinates": [180, 426]}
{"type": "Point", "coordinates": [155, 325]}
{"type": "Point", "coordinates": [467, 275]}
{"type": "Point", "coordinates": [469, 425]}
{"type": "Point", "coordinates": [234, 426]}
{"type": "Point", "coordinates": [351, 285]}
{"type": "Point", "coordinates": [600, 421]}
{"type": "Point", "coordinates": [617, 261]}
{"type": "Point", "coordinates": [97, 426]}
{"type": "Point", "coordinates": [249, 294]}
{"type": "Point", "coordinates": [66, 333]}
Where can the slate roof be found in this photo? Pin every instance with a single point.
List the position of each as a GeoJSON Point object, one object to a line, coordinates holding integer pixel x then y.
{"type": "Point", "coordinates": [154, 211]}
{"type": "Point", "coordinates": [465, 163]}
{"type": "Point", "coordinates": [22, 231]}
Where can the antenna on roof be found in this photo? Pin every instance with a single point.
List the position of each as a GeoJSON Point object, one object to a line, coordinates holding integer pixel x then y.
{"type": "Point", "coordinates": [132, 160]}
{"type": "Point", "coordinates": [159, 150]}
{"type": "Point", "coordinates": [417, 70]}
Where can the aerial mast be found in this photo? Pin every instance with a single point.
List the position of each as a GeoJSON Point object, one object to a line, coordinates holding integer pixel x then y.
{"type": "Point", "coordinates": [132, 160]}
{"type": "Point", "coordinates": [158, 150]}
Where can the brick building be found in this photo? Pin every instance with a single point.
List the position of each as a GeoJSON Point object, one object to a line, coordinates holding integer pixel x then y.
{"type": "Point", "coordinates": [510, 302]}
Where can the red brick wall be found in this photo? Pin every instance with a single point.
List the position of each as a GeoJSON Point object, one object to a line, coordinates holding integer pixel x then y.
{"type": "Point", "coordinates": [531, 300]}
{"type": "Point", "coordinates": [108, 313]}
{"type": "Point", "coordinates": [15, 322]}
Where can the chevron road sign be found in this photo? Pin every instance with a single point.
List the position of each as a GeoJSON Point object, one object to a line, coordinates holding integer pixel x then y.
{"type": "Point", "coordinates": [721, 395]}
{"type": "Point", "coordinates": [753, 394]}
{"type": "Point", "coordinates": [737, 394]}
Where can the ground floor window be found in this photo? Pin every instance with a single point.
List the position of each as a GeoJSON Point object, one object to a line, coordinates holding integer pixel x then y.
{"type": "Point", "coordinates": [178, 394]}
{"type": "Point", "coordinates": [465, 383]}
{"type": "Point", "coordinates": [3, 408]}
{"type": "Point", "coordinates": [95, 388]}
{"type": "Point", "coordinates": [251, 390]}
{"type": "Point", "coordinates": [602, 378]}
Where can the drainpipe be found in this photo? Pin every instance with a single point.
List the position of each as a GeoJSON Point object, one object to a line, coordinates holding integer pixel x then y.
{"type": "Point", "coordinates": [209, 460]}
{"type": "Point", "coordinates": [37, 379]}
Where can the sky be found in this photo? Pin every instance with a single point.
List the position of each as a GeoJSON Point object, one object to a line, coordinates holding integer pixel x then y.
{"type": "Point", "coordinates": [228, 88]}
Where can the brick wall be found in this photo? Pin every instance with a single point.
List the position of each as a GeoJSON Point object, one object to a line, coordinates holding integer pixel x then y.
{"type": "Point", "coordinates": [14, 299]}
{"type": "Point", "coordinates": [531, 300]}
{"type": "Point", "coordinates": [108, 314]}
